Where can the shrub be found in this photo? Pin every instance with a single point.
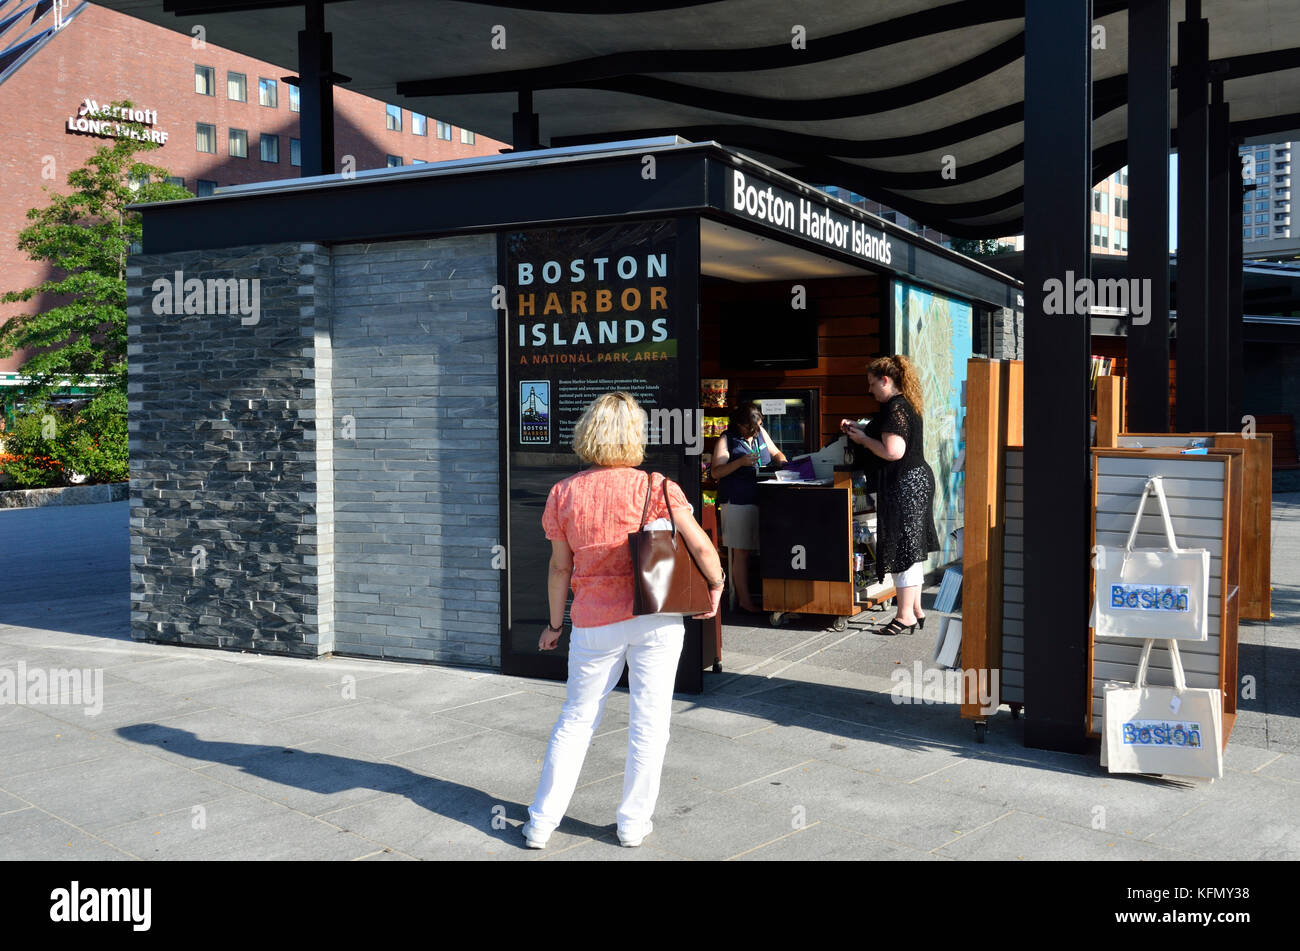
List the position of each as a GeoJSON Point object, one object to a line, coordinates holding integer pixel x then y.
{"type": "Point", "coordinates": [46, 447]}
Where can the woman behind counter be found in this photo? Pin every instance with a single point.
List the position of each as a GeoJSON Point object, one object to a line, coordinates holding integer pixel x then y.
{"type": "Point", "coordinates": [737, 455]}
{"type": "Point", "coordinates": [905, 500]}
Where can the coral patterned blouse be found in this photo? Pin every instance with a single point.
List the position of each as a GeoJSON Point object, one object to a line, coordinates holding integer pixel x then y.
{"type": "Point", "coordinates": [594, 511]}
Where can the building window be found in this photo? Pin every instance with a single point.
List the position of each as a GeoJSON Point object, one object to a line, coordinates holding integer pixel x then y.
{"type": "Point", "coordinates": [237, 87]}
{"type": "Point", "coordinates": [1261, 192]}
{"type": "Point", "coordinates": [418, 161]}
{"type": "Point", "coordinates": [295, 152]}
{"type": "Point", "coordinates": [1121, 207]}
{"type": "Point", "coordinates": [393, 161]}
{"type": "Point", "coordinates": [1261, 206]}
{"type": "Point", "coordinates": [175, 180]}
{"type": "Point", "coordinates": [1261, 232]}
{"type": "Point", "coordinates": [205, 137]}
{"type": "Point", "coordinates": [1261, 179]}
{"type": "Point", "coordinates": [442, 130]}
{"type": "Point", "coordinates": [205, 81]}
{"type": "Point", "coordinates": [206, 188]}
{"type": "Point", "coordinates": [393, 118]}
{"type": "Point", "coordinates": [1097, 201]}
{"type": "Point", "coordinates": [295, 99]}
{"type": "Point", "coordinates": [1261, 167]}
{"type": "Point", "coordinates": [1245, 234]}
{"type": "Point", "coordinates": [419, 124]}
{"type": "Point", "coordinates": [466, 137]}
{"type": "Point", "coordinates": [1121, 177]}
{"type": "Point", "coordinates": [237, 143]}
{"type": "Point", "coordinates": [1260, 219]}
{"type": "Point", "coordinates": [266, 93]}
{"type": "Point", "coordinates": [270, 148]}
{"type": "Point", "coordinates": [1100, 236]}
{"type": "Point", "coordinates": [1121, 241]}
{"type": "Point", "coordinates": [1261, 155]}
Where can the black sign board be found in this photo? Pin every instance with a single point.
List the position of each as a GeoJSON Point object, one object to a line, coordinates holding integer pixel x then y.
{"type": "Point", "coordinates": [590, 310]}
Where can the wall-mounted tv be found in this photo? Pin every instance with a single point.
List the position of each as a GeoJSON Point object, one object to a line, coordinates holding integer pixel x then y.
{"type": "Point", "coordinates": [768, 335]}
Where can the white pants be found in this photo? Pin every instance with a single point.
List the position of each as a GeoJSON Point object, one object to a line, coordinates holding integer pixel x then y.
{"type": "Point", "coordinates": [651, 644]}
{"type": "Point", "coordinates": [912, 577]}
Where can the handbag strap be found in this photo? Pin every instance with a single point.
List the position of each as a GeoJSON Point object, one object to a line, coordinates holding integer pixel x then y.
{"type": "Point", "coordinates": [1157, 484]}
{"type": "Point", "coordinates": [1175, 660]}
{"type": "Point", "coordinates": [645, 510]}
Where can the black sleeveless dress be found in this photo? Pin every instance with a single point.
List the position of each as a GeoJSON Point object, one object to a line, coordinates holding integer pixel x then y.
{"type": "Point", "coordinates": [905, 532]}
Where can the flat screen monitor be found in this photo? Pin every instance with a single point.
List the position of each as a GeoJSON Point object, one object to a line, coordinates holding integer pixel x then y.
{"type": "Point", "coordinates": [768, 335]}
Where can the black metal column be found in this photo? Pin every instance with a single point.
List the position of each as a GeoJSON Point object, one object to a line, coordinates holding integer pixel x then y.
{"type": "Point", "coordinates": [1148, 236]}
{"type": "Point", "coordinates": [316, 76]}
{"type": "Point", "coordinates": [1192, 407]}
{"type": "Point", "coordinates": [1058, 207]}
{"type": "Point", "coordinates": [1218, 261]}
{"type": "Point", "coordinates": [527, 126]}
{"type": "Point", "coordinates": [1236, 350]}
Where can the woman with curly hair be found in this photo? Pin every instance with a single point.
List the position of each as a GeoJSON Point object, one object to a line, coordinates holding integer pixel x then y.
{"type": "Point", "coordinates": [905, 498]}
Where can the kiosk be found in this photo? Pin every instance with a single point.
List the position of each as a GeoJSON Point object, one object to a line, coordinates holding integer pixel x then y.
{"type": "Point", "coordinates": [364, 461]}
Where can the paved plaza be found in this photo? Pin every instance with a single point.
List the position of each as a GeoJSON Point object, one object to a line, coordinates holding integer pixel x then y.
{"type": "Point", "coordinates": [795, 751]}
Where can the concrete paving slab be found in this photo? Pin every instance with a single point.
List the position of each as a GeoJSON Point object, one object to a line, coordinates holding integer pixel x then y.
{"type": "Point", "coordinates": [50, 745]}
{"type": "Point", "coordinates": [719, 827]}
{"type": "Point", "coordinates": [825, 842]}
{"type": "Point", "coordinates": [36, 836]}
{"type": "Point", "coordinates": [1282, 766]}
{"type": "Point", "coordinates": [312, 777]}
{"type": "Point", "coordinates": [505, 765]}
{"type": "Point", "coordinates": [1249, 817]}
{"type": "Point", "coordinates": [440, 820]}
{"type": "Point", "coordinates": [1080, 793]}
{"type": "Point", "coordinates": [112, 789]}
{"type": "Point", "coordinates": [434, 690]}
{"type": "Point", "coordinates": [380, 729]}
{"type": "Point", "coordinates": [608, 850]}
{"type": "Point", "coordinates": [529, 714]}
{"type": "Point", "coordinates": [699, 758]}
{"type": "Point", "coordinates": [1022, 837]}
{"type": "Point", "coordinates": [909, 814]}
{"type": "Point", "coordinates": [199, 738]}
{"type": "Point", "coordinates": [275, 698]}
{"type": "Point", "coordinates": [238, 826]}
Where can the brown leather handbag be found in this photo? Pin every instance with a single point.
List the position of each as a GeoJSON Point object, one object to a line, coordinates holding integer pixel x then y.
{"type": "Point", "coordinates": [665, 577]}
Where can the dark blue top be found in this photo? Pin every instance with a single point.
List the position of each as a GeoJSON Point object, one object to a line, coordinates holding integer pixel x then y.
{"type": "Point", "coordinates": [741, 487]}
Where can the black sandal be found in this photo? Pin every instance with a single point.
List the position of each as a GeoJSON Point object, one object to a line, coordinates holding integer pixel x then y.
{"type": "Point", "coordinates": [896, 627]}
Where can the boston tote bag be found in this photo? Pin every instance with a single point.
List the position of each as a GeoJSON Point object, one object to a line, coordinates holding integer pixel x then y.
{"type": "Point", "coordinates": [1152, 592]}
{"type": "Point", "coordinates": [665, 578]}
{"type": "Point", "coordinates": [1170, 731]}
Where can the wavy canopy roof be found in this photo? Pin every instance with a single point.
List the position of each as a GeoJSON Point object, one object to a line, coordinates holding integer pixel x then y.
{"type": "Point", "coordinates": [882, 95]}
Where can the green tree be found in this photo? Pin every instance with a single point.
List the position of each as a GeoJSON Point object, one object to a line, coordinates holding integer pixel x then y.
{"type": "Point", "coordinates": [978, 247]}
{"type": "Point", "coordinates": [85, 236]}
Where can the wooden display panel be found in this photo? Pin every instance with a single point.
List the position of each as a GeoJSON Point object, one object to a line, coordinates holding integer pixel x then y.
{"type": "Point", "coordinates": [994, 394]}
{"type": "Point", "coordinates": [1257, 509]}
{"type": "Point", "coordinates": [1205, 499]}
{"type": "Point", "coordinates": [1110, 410]}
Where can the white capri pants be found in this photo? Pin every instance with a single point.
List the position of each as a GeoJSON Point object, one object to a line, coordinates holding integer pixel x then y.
{"type": "Point", "coordinates": [911, 577]}
{"type": "Point", "coordinates": [651, 644]}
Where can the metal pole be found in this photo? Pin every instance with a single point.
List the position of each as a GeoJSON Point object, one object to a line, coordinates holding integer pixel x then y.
{"type": "Point", "coordinates": [1193, 208]}
{"type": "Point", "coordinates": [1147, 386]}
{"type": "Point", "coordinates": [316, 91]}
{"type": "Point", "coordinates": [1218, 262]}
{"type": "Point", "coordinates": [1058, 209]}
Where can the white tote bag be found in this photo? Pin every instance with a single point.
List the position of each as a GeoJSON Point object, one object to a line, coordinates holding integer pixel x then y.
{"type": "Point", "coordinates": [1152, 592]}
{"type": "Point", "coordinates": [1170, 731]}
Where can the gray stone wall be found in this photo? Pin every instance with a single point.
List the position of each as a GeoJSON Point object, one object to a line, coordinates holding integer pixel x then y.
{"type": "Point", "coordinates": [1002, 333]}
{"type": "Point", "coordinates": [416, 486]}
{"type": "Point", "coordinates": [230, 486]}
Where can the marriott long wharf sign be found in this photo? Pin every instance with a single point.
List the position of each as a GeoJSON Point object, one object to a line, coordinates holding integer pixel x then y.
{"type": "Point", "coordinates": [815, 221]}
{"type": "Point", "coordinates": [106, 121]}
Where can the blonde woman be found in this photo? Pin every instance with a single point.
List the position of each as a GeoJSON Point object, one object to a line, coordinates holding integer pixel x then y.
{"type": "Point", "coordinates": [588, 517]}
{"type": "Point", "coordinates": [905, 500]}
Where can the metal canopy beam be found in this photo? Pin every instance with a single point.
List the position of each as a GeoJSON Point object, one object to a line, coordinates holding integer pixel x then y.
{"type": "Point", "coordinates": [1058, 191]}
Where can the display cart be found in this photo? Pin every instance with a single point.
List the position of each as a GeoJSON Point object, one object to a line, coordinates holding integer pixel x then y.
{"type": "Point", "coordinates": [806, 533]}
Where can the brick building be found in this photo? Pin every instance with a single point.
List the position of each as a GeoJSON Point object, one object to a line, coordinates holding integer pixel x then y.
{"type": "Point", "coordinates": [225, 119]}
